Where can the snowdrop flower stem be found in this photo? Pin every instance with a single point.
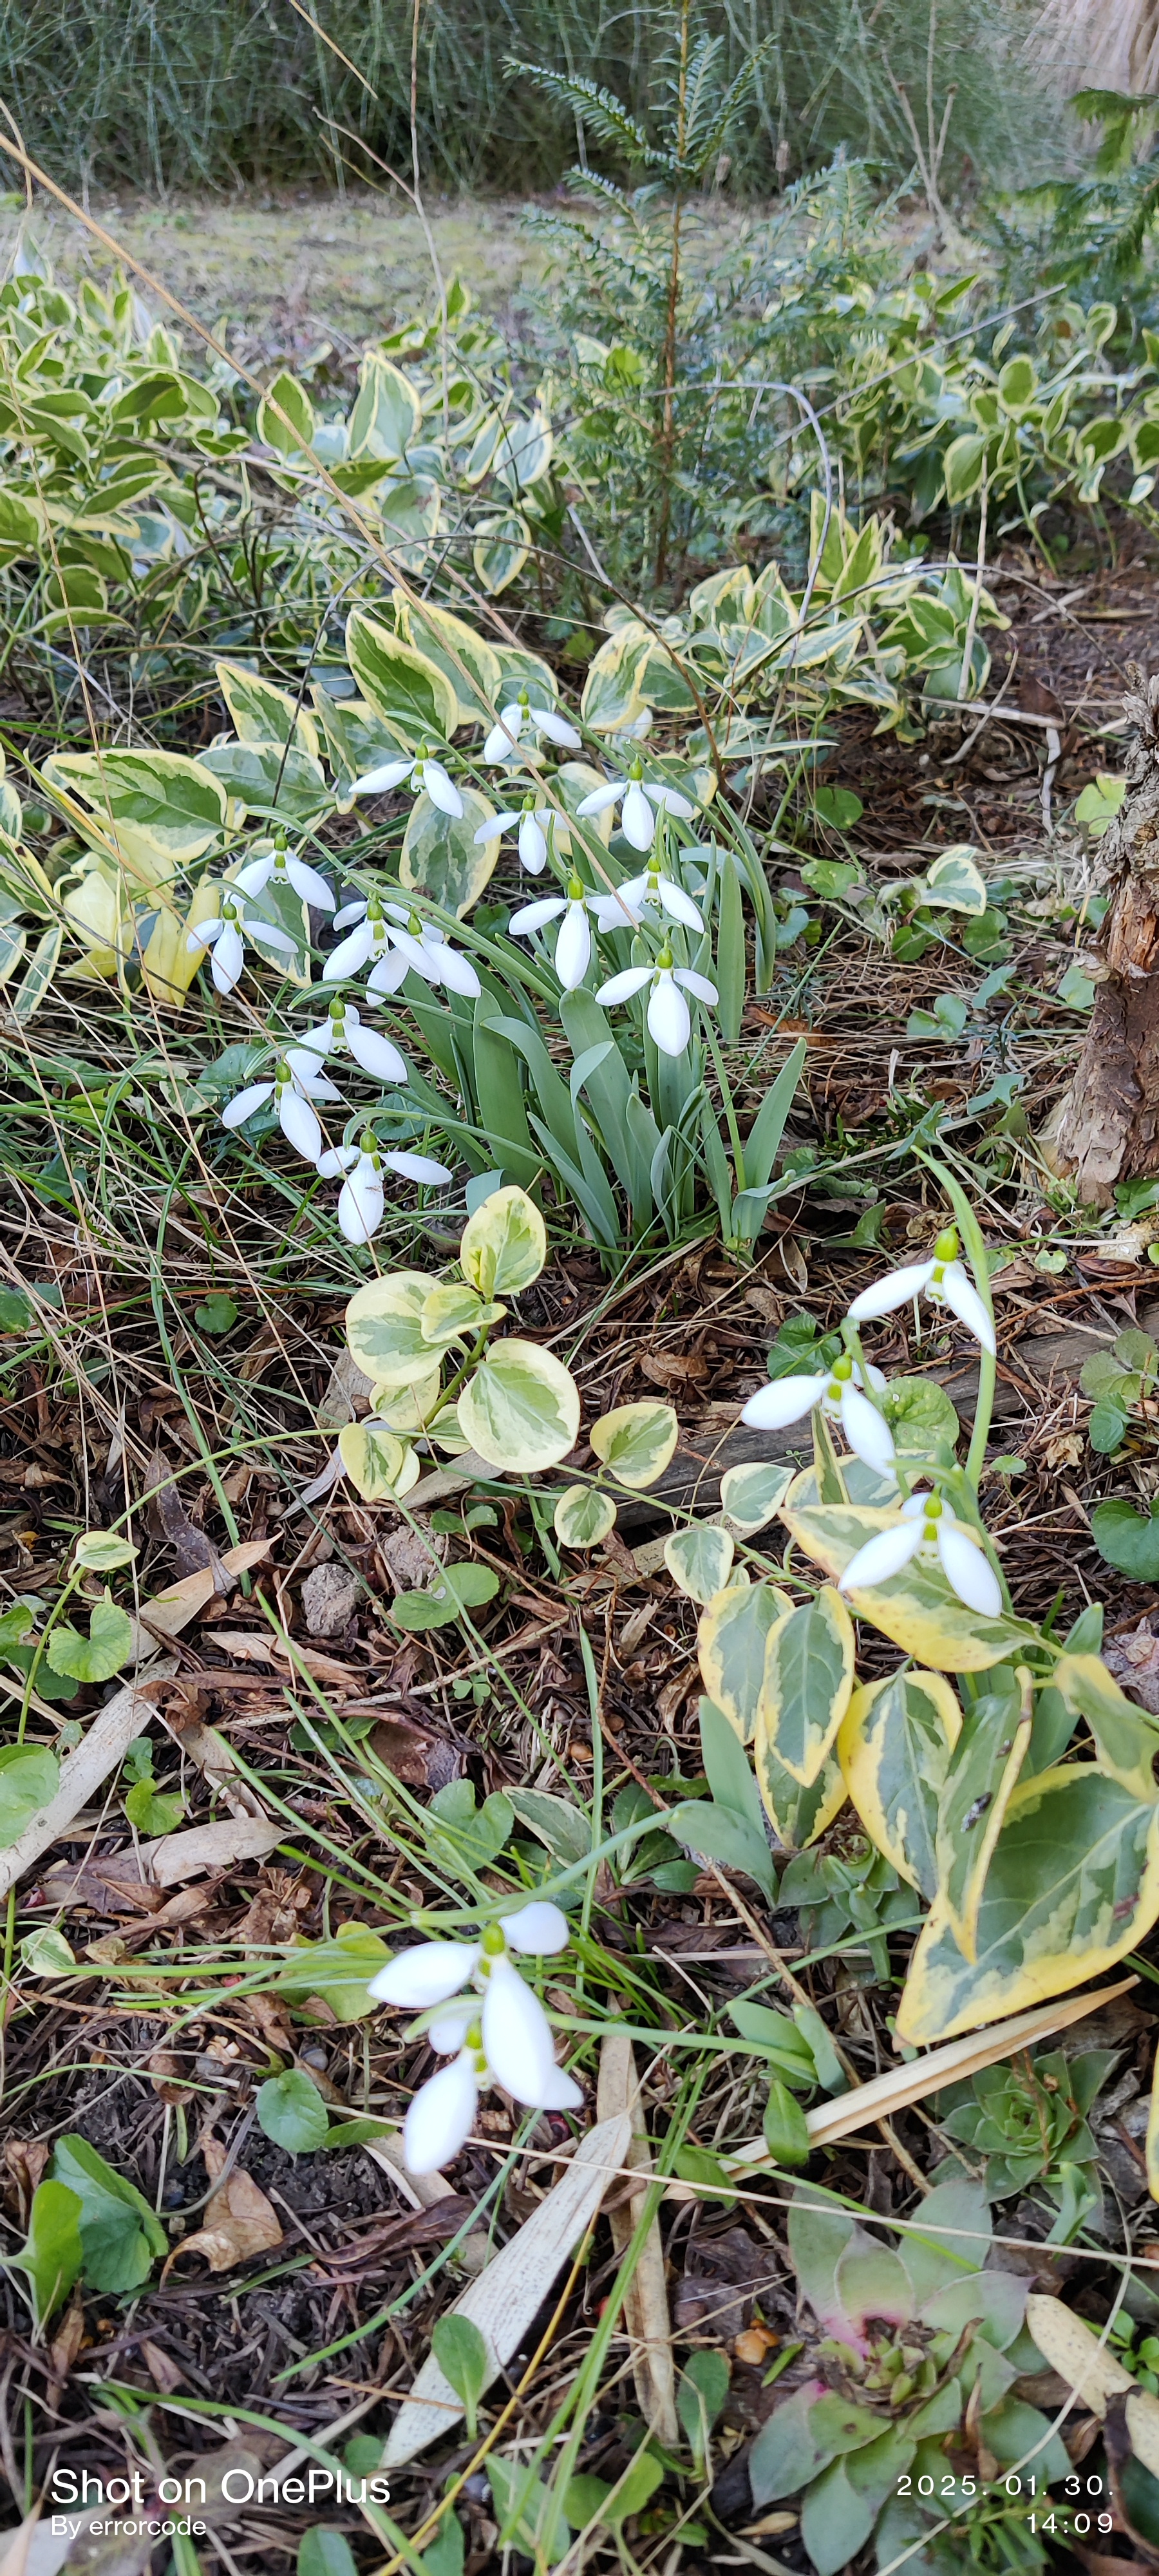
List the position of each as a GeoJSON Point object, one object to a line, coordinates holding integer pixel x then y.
{"type": "Point", "coordinates": [973, 1244]}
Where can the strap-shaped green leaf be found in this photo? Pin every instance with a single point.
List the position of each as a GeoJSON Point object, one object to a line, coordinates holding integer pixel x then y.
{"type": "Point", "coordinates": [894, 1748]}
{"type": "Point", "coordinates": [976, 1794]}
{"type": "Point", "coordinates": [730, 1644]}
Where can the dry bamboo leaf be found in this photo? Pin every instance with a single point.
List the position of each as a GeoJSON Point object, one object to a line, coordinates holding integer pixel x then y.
{"type": "Point", "coordinates": [210, 1847]}
{"type": "Point", "coordinates": [905, 2084]}
{"type": "Point", "coordinates": [82, 1773]}
{"type": "Point", "coordinates": [239, 2220]}
{"type": "Point", "coordinates": [646, 2317]}
{"type": "Point", "coordinates": [1074, 2350]}
{"type": "Point", "coordinates": [421, 2190]}
{"type": "Point", "coordinates": [172, 1610]}
{"type": "Point", "coordinates": [512, 2289]}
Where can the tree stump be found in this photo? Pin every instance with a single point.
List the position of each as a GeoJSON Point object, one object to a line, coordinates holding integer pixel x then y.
{"type": "Point", "coordinates": [1109, 1129]}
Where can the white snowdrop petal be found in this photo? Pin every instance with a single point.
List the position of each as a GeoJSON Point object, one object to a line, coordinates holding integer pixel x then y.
{"type": "Point", "coordinates": [441, 789]}
{"type": "Point", "coordinates": [416, 955]}
{"type": "Point", "coordinates": [881, 1556]}
{"type": "Point", "coordinates": [299, 1124]}
{"type": "Point", "coordinates": [884, 1296]}
{"type": "Point", "coordinates": [228, 959]}
{"type": "Point", "coordinates": [204, 936]}
{"type": "Point", "coordinates": [441, 2117]}
{"type": "Point", "coordinates": [336, 1159]}
{"type": "Point", "coordinates": [244, 1103]}
{"type": "Point", "coordinates": [389, 973]}
{"type": "Point", "coordinates": [253, 878]}
{"type": "Point", "coordinates": [457, 972]}
{"type": "Point", "coordinates": [785, 1400]}
{"type": "Point", "coordinates": [361, 1202]}
{"type": "Point", "coordinates": [267, 936]}
{"type": "Point", "coordinates": [959, 1292]}
{"type": "Point", "coordinates": [350, 954]}
{"type": "Point", "coordinates": [868, 1434]}
{"type": "Point", "coordinates": [378, 782]}
{"type": "Point", "coordinates": [638, 818]}
{"type": "Point", "coordinates": [669, 1019]}
{"type": "Point", "coordinates": [620, 988]}
{"type": "Point", "coordinates": [418, 1167]}
{"type": "Point", "coordinates": [698, 984]}
{"type": "Point", "coordinates": [673, 802]}
{"type": "Point", "coordinates": [601, 797]}
{"type": "Point", "coordinates": [350, 912]}
{"type": "Point", "coordinates": [427, 1973]}
{"type": "Point", "coordinates": [377, 1055]}
{"type": "Point", "coordinates": [534, 916]}
{"type": "Point", "coordinates": [313, 888]}
{"type": "Point", "coordinates": [491, 831]}
{"type": "Point", "coordinates": [573, 947]}
{"type": "Point", "coordinates": [679, 905]}
{"type": "Point", "coordinates": [537, 1928]}
{"type": "Point", "coordinates": [556, 728]}
{"type": "Point", "coordinates": [517, 2041]}
{"type": "Point", "coordinates": [449, 2026]}
{"type": "Point", "coordinates": [968, 1572]}
{"type": "Point", "coordinates": [562, 2093]}
{"type": "Point", "coordinates": [532, 845]}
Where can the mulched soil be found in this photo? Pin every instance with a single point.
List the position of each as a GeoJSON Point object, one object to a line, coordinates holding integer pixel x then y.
{"type": "Point", "coordinates": [351, 2264]}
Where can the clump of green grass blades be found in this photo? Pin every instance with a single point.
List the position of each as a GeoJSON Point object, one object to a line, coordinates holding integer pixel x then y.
{"type": "Point", "coordinates": [151, 92]}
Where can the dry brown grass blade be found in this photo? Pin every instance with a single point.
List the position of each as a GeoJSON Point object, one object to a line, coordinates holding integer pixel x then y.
{"type": "Point", "coordinates": [960, 2057]}
{"type": "Point", "coordinates": [82, 1773]}
{"type": "Point", "coordinates": [505, 2298]}
{"type": "Point", "coordinates": [646, 2316]}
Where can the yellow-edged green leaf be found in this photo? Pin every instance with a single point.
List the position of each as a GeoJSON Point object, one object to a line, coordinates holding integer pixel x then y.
{"type": "Point", "coordinates": [504, 1245]}
{"type": "Point", "coordinates": [384, 1328]}
{"type": "Point", "coordinates": [454, 1311]}
{"type": "Point", "coordinates": [387, 413]}
{"type": "Point", "coordinates": [521, 1410]}
{"type": "Point", "coordinates": [894, 1747]}
{"type": "Point", "coordinates": [750, 1496]}
{"type": "Point", "coordinates": [502, 544]}
{"type": "Point", "coordinates": [636, 1441]}
{"type": "Point", "coordinates": [13, 942]}
{"type": "Point", "coordinates": [168, 964]}
{"type": "Point", "coordinates": [1126, 1736]}
{"type": "Point", "coordinates": [162, 809]}
{"type": "Point", "coordinates": [798, 1816]}
{"type": "Point", "coordinates": [471, 666]}
{"type": "Point", "coordinates": [583, 1516]}
{"type": "Point", "coordinates": [808, 1681]}
{"type": "Point", "coordinates": [262, 713]}
{"type": "Point", "coordinates": [407, 1408]}
{"type": "Point", "coordinates": [700, 1560]}
{"type": "Point", "coordinates": [286, 416]}
{"type": "Point", "coordinates": [613, 690]}
{"type": "Point", "coordinates": [440, 857]}
{"type": "Point", "coordinates": [916, 1607]}
{"type": "Point", "coordinates": [979, 1784]}
{"type": "Point", "coordinates": [955, 883]}
{"type": "Point", "coordinates": [1073, 1884]}
{"type": "Point", "coordinates": [38, 975]}
{"type": "Point", "coordinates": [378, 1464]}
{"type": "Point", "coordinates": [730, 1645]}
{"type": "Point", "coordinates": [404, 687]}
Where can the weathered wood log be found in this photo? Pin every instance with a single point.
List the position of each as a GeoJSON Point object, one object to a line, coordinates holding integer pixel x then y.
{"type": "Point", "coordinates": [1109, 1129]}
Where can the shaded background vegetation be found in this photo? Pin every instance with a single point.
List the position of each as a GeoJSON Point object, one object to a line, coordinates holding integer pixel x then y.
{"type": "Point", "coordinates": [157, 94]}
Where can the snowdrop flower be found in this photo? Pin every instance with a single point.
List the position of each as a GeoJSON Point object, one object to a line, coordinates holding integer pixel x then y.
{"type": "Point", "coordinates": [650, 891]}
{"type": "Point", "coordinates": [573, 947]}
{"type": "Point", "coordinates": [504, 2040]}
{"type": "Point", "coordinates": [927, 1527]}
{"type": "Point", "coordinates": [362, 1199]}
{"type": "Point", "coordinates": [423, 775]}
{"type": "Point", "coordinates": [282, 867]}
{"type": "Point", "coordinates": [669, 1018]}
{"type": "Point", "coordinates": [420, 944]}
{"type": "Point", "coordinates": [226, 937]}
{"type": "Point", "coordinates": [343, 1033]}
{"type": "Point", "coordinates": [520, 717]}
{"type": "Point", "coordinates": [367, 939]}
{"type": "Point", "coordinates": [642, 800]}
{"type": "Point", "coordinates": [840, 1393]}
{"type": "Point", "coordinates": [297, 1117]}
{"type": "Point", "coordinates": [532, 823]}
{"type": "Point", "coordinates": [942, 1279]}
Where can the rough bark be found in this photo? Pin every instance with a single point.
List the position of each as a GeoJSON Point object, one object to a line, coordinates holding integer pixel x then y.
{"type": "Point", "coordinates": [1109, 1129]}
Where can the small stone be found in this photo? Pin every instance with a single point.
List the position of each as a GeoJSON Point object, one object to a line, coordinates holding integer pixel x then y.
{"type": "Point", "coordinates": [329, 1599]}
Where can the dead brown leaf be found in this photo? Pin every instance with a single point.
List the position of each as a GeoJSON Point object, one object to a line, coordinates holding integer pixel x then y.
{"type": "Point", "coordinates": [24, 2163]}
{"type": "Point", "coordinates": [162, 2371]}
{"type": "Point", "coordinates": [239, 2221]}
{"type": "Point", "coordinates": [415, 1753]}
{"type": "Point", "coordinates": [169, 1518]}
{"type": "Point", "coordinates": [67, 2340]}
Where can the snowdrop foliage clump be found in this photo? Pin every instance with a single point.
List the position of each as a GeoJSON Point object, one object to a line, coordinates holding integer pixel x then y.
{"type": "Point", "coordinates": [481, 2014]}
